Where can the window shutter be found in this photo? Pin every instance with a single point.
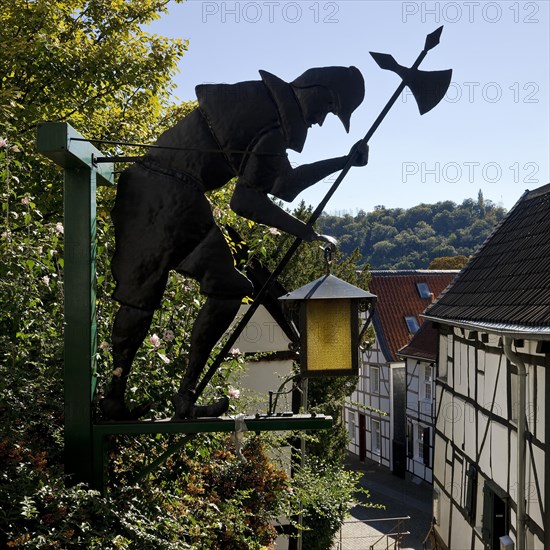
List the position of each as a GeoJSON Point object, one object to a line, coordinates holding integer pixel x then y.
{"type": "Point", "coordinates": [410, 439]}
{"type": "Point", "coordinates": [487, 519]}
{"type": "Point", "coordinates": [426, 446]}
{"type": "Point", "coordinates": [471, 490]}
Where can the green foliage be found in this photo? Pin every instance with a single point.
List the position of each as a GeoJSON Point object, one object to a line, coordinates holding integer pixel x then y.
{"type": "Point", "coordinates": [89, 63]}
{"type": "Point", "coordinates": [325, 492]}
{"type": "Point", "coordinates": [397, 238]}
{"type": "Point", "coordinates": [86, 62]}
{"type": "Point", "coordinates": [448, 262]}
{"type": "Point", "coordinates": [329, 488]}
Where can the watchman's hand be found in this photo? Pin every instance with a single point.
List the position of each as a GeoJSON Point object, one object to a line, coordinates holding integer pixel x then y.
{"type": "Point", "coordinates": [309, 235]}
{"type": "Point", "coordinates": [359, 154]}
{"type": "Point", "coordinates": [328, 239]}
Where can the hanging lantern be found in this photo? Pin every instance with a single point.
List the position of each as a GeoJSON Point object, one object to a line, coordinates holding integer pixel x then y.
{"type": "Point", "coordinates": [329, 325]}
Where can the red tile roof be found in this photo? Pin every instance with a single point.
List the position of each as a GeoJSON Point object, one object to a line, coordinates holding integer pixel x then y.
{"type": "Point", "coordinates": [423, 345]}
{"type": "Point", "coordinates": [398, 298]}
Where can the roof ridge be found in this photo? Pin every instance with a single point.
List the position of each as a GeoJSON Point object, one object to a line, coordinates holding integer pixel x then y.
{"type": "Point", "coordinates": [388, 272]}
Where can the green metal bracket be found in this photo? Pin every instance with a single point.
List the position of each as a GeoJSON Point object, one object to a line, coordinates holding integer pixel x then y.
{"type": "Point", "coordinates": [85, 442]}
{"type": "Point", "coordinates": [56, 141]}
{"type": "Point", "coordinates": [202, 425]}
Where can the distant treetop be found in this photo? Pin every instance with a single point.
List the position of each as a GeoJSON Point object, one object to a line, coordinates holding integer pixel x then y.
{"type": "Point", "coordinates": [400, 238]}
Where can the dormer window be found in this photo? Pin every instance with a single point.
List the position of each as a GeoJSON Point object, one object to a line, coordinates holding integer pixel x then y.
{"type": "Point", "coordinates": [423, 291]}
{"type": "Point", "coordinates": [412, 324]}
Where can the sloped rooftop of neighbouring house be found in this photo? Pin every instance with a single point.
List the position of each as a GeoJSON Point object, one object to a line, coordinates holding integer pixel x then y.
{"type": "Point", "coordinates": [402, 297]}
{"type": "Point", "coordinates": [423, 345]}
{"type": "Point", "coordinates": [506, 284]}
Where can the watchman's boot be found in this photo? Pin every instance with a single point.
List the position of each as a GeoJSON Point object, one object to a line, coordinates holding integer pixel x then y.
{"type": "Point", "coordinates": [184, 405]}
{"type": "Point", "coordinates": [113, 407]}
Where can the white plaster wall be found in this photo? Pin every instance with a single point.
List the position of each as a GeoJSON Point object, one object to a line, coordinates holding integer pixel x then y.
{"type": "Point", "coordinates": [462, 532]}
{"type": "Point", "coordinates": [444, 514]}
{"type": "Point", "coordinates": [461, 365]}
{"type": "Point", "coordinates": [439, 459]}
{"type": "Point", "coordinates": [533, 506]}
{"type": "Point", "coordinates": [491, 370]}
{"type": "Point", "coordinates": [470, 443]}
{"type": "Point", "coordinates": [261, 334]}
{"type": "Point", "coordinates": [459, 423]}
{"type": "Point", "coordinates": [539, 405]}
{"type": "Point", "coordinates": [485, 458]}
{"type": "Point", "coordinates": [448, 412]}
{"type": "Point", "coordinates": [259, 379]}
{"type": "Point", "coordinates": [498, 451]}
{"type": "Point", "coordinates": [472, 374]}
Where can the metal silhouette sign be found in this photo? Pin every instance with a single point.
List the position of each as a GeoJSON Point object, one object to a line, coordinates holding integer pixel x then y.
{"type": "Point", "coordinates": [163, 221]}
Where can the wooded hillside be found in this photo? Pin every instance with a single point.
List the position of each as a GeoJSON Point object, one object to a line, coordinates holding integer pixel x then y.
{"type": "Point", "coordinates": [400, 238]}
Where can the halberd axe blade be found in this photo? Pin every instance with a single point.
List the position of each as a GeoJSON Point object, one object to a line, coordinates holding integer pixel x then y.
{"type": "Point", "coordinates": [427, 87]}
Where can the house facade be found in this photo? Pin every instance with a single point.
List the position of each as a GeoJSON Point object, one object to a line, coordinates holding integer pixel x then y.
{"type": "Point", "coordinates": [491, 461]}
{"type": "Point", "coordinates": [420, 355]}
{"type": "Point", "coordinates": [376, 412]}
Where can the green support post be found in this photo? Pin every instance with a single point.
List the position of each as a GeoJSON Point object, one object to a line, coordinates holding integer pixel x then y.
{"type": "Point", "coordinates": [57, 141]}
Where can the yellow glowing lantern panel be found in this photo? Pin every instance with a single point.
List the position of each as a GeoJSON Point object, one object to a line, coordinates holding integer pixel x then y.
{"type": "Point", "coordinates": [328, 335]}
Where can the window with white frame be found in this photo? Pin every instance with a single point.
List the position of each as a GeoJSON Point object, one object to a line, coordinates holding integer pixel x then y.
{"type": "Point", "coordinates": [375, 380]}
{"type": "Point", "coordinates": [364, 380]}
{"type": "Point", "coordinates": [423, 444]}
{"type": "Point", "coordinates": [427, 382]}
{"type": "Point", "coordinates": [351, 425]}
{"type": "Point", "coordinates": [376, 436]}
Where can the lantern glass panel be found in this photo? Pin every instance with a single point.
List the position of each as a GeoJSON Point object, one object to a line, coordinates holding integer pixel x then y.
{"type": "Point", "coordinates": [328, 335]}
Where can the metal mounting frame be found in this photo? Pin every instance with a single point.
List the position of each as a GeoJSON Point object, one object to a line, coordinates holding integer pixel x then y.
{"type": "Point", "coordinates": [85, 442]}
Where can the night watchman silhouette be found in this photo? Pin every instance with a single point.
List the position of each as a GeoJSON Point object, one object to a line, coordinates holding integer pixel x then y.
{"type": "Point", "coordinates": [163, 221]}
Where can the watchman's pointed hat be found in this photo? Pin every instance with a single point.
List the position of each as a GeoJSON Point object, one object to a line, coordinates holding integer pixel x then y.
{"type": "Point", "coordinates": [346, 84]}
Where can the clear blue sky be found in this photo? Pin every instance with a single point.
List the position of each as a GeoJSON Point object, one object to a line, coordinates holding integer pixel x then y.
{"type": "Point", "coordinates": [491, 132]}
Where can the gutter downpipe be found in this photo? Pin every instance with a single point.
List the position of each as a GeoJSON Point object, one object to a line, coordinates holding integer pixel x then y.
{"type": "Point", "coordinates": [520, 396]}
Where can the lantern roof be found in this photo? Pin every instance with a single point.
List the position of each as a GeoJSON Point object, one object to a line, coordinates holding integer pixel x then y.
{"type": "Point", "coordinates": [328, 287]}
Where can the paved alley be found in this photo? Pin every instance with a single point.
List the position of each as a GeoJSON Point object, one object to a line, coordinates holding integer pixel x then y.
{"type": "Point", "coordinates": [401, 497]}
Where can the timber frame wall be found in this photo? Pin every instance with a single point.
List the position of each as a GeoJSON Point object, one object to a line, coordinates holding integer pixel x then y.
{"type": "Point", "coordinates": [420, 416]}
{"type": "Point", "coordinates": [475, 477]}
{"type": "Point", "coordinates": [359, 418]}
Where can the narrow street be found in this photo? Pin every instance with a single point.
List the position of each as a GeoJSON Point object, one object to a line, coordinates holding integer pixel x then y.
{"type": "Point", "coordinates": [401, 497]}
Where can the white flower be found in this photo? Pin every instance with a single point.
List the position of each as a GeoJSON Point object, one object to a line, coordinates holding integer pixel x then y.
{"type": "Point", "coordinates": [46, 280]}
{"type": "Point", "coordinates": [59, 228]}
{"type": "Point", "coordinates": [235, 351]}
{"type": "Point", "coordinates": [104, 345]}
{"type": "Point", "coordinates": [234, 393]}
{"type": "Point", "coordinates": [274, 231]}
{"type": "Point", "coordinates": [5, 234]}
{"type": "Point", "coordinates": [3, 143]}
{"type": "Point", "coordinates": [25, 201]}
{"type": "Point", "coordinates": [168, 335]}
{"type": "Point", "coordinates": [217, 213]}
{"type": "Point", "coordinates": [155, 341]}
{"type": "Point", "coordinates": [117, 372]}
{"type": "Point", "coordinates": [164, 358]}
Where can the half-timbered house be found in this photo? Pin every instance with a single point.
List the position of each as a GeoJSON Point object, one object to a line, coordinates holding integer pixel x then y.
{"type": "Point", "coordinates": [492, 465]}
{"type": "Point", "coordinates": [420, 355]}
{"type": "Point", "coordinates": [375, 413]}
